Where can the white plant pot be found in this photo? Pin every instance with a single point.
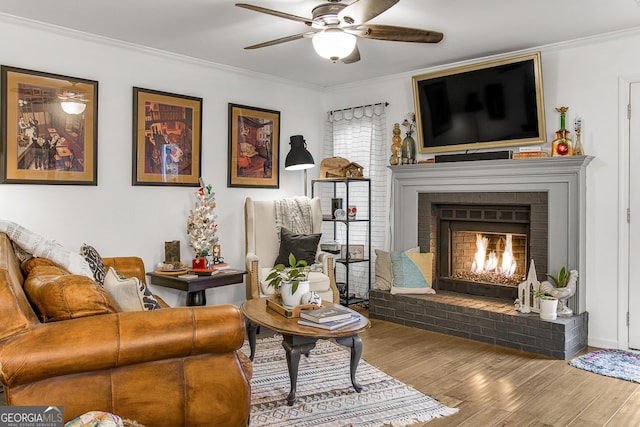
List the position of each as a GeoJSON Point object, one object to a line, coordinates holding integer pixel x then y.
{"type": "Point", "coordinates": [289, 299]}
{"type": "Point", "coordinates": [548, 308]}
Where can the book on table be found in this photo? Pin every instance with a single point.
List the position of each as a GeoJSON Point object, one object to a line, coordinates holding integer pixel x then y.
{"type": "Point", "coordinates": [336, 324]}
{"type": "Point", "coordinates": [327, 314]}
{"type": "Point", "coordinates": [221, 266]}
{"type": "Point", "coordinates": [204, 271]}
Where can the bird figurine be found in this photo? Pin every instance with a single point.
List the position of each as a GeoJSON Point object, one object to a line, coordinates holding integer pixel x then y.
{"type": "Point", "coordinates": [563, 293]}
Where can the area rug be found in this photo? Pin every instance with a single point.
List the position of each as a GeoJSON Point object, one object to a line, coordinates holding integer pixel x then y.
{"type": "Point", "coordinates": [325, 396]}
{"type": "Point", "coordinates": [612, 363]}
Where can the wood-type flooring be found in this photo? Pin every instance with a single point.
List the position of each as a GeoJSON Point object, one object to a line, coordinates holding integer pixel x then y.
{"type": "Point", "coordinates": [497, 386]}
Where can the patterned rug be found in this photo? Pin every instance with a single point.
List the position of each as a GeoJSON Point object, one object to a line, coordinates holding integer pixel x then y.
{"type": "Point", "coordinates": [325, 396]}
{"type": "Point", "coordinates": [612, 363]}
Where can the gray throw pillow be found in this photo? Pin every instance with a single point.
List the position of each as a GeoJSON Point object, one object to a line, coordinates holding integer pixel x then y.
{"type": "Point", "coordinates": [302, 246]}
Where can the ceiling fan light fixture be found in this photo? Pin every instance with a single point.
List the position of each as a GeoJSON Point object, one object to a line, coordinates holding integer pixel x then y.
{"type": "Point", "coordinates": [73, 107]}
{"type": "Point", "coordinates": [333, 44]}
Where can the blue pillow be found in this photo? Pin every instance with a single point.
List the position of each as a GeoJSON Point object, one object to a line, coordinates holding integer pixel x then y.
{"type": "Point", "coordinates": [408, 278]}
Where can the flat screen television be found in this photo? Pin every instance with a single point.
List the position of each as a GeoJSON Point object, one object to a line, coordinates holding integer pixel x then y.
{"type": "Point", "coordinates": [486, 105]}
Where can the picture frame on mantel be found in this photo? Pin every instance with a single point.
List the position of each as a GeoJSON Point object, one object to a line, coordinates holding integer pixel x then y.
{"type": "Point", "coordinates": [49, 128]}
{"type": "Point", "coordinates": [167, 138]}
{"type": "Point", "coordinates": [254, 147]}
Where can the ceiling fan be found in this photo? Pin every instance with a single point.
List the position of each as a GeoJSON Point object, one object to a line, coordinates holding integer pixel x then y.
{"type": "Point", "coordinates": [335, 27]}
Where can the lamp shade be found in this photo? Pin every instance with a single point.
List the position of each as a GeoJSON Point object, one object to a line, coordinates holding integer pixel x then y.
{"type": "Point", "coordinates": [333, 43]}
{"type": "Point", "coordinates": [73, 107]}
{"type": "Point", "coordinates": [299, 157]}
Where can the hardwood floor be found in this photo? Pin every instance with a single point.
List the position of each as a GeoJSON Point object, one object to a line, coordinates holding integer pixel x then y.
{"type": "Point", "coordinates": [496, 386]}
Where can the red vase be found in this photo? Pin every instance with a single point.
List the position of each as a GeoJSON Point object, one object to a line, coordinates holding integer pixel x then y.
{"type": "Point", "coordinates": [198, 263]}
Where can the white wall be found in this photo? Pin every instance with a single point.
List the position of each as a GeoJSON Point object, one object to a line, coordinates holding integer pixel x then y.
{"type": "Point", "coordinates": [119, 219]}
{"type": "Point", "coordinates": [116, 217]}
{"type": "Point", "coordinates": [583, 75]}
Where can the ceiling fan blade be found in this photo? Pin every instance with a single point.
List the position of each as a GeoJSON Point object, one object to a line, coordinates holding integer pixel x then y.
{"type": "Point", "coordinates": [396, 34]}
{"type": "Point", "coordinates": [362, 11]}
{"type": "Point", "coordinates": [353, 56]}
{"type": "Point", "coordinates": [281, 40]}
{"type": "Point", "coordinates": [275, 13]}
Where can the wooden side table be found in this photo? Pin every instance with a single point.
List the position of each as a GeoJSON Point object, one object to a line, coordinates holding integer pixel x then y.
{"type": "Point", "coordinates": [197, 286]}
{"type": "Point", "coordinates": [298, 339]}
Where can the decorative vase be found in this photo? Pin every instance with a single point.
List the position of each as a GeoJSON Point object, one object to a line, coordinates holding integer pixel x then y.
{"type": "Point", "coordinates": [290, 299]}
{"type": "Point", "coordinates": [198, 262]}
{"type": "Point", "coordinates": [562, 144]}
{"type": "Point", "coordinates": [311, 297]}
{"type": "Point", "coordinates": [577, 148]}
{"type": "Point", "coordinates": [548, 307]}
{"type": "Point", "coordinates": [396, 146]}
{"type": "Point", "coordinates": [408, 150]}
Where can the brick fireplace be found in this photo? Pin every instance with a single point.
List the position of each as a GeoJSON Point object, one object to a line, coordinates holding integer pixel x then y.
{"type": "Point", "coordinates": [536, 205]}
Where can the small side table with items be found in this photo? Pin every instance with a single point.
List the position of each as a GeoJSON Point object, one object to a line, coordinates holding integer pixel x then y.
{"type": "Point", "coordinates": [299, 339]}
{"type": "Point", "coordinates": [196, 285]}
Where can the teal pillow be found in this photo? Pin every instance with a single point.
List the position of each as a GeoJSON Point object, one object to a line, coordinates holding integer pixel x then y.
{"type": "Point", "coordinates": [406, 273]}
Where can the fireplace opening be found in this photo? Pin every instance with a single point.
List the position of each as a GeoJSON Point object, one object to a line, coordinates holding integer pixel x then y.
{"type": "Point", "coordinates": [483, 249]}
{"type": "Point", "coordinates": [492, 258]}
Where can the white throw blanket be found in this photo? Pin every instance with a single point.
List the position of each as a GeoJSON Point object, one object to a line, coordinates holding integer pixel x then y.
{"type": "Point", "coordinates": [40, 247]}
{"type": "Point", "coordinates": [294, 215]}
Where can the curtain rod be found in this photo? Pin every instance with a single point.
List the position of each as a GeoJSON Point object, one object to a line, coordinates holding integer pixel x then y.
{"type": "Point", "coordinates": [386, 104]}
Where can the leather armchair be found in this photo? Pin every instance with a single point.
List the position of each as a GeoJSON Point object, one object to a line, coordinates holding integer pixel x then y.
{"type": "Point", "coordinates": [262, 247]}
{"type": "Point", "coordinates": [169, 367]}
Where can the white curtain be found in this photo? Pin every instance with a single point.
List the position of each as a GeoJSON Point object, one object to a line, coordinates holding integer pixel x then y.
{"type": "Point", "coordinates": [359, 135]}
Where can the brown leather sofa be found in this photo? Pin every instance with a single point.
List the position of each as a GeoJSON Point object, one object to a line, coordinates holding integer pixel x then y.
{"type": "Point", "coordinates": [169, 367]}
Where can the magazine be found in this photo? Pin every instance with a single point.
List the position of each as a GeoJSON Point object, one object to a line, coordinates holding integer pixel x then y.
{"type": "Point", "coordinates": [354, 318]}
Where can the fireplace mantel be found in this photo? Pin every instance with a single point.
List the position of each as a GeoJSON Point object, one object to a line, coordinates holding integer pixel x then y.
{"type": "Point", "coordinates": [563, 178]}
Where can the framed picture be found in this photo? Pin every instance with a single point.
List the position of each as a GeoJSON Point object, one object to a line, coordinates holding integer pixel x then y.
{"type": "Point", "coordinates": [167, 138]}
{"type": "Point", "coordinates": [254, 147]}
{"type": "Point", "coordinates": [355, 252]}
{"type": "Point", "coordinates": [49, 128]}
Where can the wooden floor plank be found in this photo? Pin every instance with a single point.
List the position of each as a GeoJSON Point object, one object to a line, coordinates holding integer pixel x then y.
{"type": "Point", "coordinates": [628, 413]}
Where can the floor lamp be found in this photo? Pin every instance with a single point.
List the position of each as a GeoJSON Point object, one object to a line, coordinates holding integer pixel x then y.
{"type": "Point", "coordinates": [299, 157]}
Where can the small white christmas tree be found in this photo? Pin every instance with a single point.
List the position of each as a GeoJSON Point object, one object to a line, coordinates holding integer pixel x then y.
{"type": "Point", "coordinates": [201, 224]}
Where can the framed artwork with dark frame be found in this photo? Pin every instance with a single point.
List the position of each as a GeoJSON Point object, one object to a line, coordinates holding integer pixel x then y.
{"type": "Point", "coordinates": [254, 147]}
{"type": "Point", "coordinates": [167, 138]}
{"type": "Point", "coordinates": [49, 128]}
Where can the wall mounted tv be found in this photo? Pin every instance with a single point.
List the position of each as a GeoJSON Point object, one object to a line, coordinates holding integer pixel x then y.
{"type": "Point", "coordinates": [486, 105]}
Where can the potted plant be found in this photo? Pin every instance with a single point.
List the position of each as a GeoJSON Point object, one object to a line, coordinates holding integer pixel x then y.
{"type": "Point", "coordinates": [292, 281]}
{"type": "Point", "coordinates": [548, 305]}
{"type": "Point", "coordinates": [563, 288]}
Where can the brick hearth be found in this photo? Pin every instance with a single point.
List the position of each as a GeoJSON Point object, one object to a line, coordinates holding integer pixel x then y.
{"type": "Point", "coordinates": [483, 319]}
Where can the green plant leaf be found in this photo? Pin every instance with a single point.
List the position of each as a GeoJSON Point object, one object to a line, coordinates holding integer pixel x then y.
{"type": "Point", "coordinates": [561, 280]}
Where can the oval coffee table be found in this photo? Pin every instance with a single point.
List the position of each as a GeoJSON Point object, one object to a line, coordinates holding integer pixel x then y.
{"type": "Point", "coordinates": [298, 339]}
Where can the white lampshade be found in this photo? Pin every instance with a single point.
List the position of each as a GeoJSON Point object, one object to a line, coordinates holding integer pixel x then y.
{"type": "Point", "coordinates": [333, 43]}
{"type": "Point", "coordinates": [73, 107]}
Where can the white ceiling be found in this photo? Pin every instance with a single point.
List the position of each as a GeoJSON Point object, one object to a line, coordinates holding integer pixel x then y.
{"type": "Point", "coordinates": [217, 30]}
